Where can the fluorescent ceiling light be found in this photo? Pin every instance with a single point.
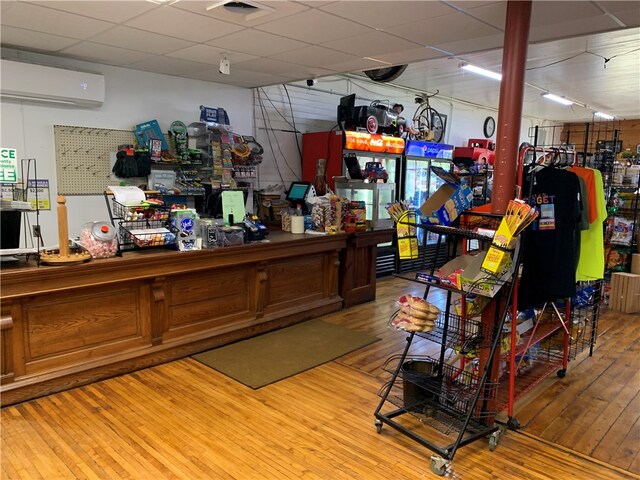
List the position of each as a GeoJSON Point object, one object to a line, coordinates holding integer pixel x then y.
{"type": "Point", "coordinates": [481, 71]}
{"type": "Point", "coordinates": [163, 2]}
{"type": "Point", "coordinates": [558, 99]}
{"type": "Point", "coordinates": [604, 115]}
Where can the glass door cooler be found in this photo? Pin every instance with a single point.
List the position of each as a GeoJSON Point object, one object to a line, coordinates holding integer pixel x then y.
{"type": "Point", "coordinates": [417, 179]}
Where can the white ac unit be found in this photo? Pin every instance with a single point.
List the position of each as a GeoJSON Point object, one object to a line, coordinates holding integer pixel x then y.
{"type": "Point", "coordinates": [43, 84]}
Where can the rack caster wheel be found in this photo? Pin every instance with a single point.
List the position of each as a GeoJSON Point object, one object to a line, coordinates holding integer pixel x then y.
{"type": "Point", "coordinates": [513, 424]}
{"type": "Point", "coordinates": [561, 373]}
{"type": "Point", "coordinates": [438, 465]}
{"type": "Point", "coordinates": [378, 425]}
{"type": "Point", "coordinates": [493, 440]}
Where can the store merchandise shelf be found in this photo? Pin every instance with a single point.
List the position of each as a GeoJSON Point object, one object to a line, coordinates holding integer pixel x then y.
{"type": "Point", "coordinates": [412, 278]}
{"type": "Point", "coordinates": [542, 332]}
{"type": "Point", "coordinates": [528, 378]}
{"type": "Point", "coordinates": [433, 414]}
{"type": "Point", "coordinates": [466, 334]}
{"type": "Point", "coordinates": [442, 399]}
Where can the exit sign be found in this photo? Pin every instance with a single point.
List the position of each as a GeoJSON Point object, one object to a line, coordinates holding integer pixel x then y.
{"type": "Point", "coordinates": [8, 165]}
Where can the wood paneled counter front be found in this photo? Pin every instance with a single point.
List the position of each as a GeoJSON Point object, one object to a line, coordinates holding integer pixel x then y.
{"type": "Point", "coordinates": [66, 326]}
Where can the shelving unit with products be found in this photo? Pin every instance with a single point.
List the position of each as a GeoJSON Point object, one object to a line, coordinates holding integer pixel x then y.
{"type": "Point", "coordinates": [140, 226]}
{"type": "Point", "coordinates": [621, 228]}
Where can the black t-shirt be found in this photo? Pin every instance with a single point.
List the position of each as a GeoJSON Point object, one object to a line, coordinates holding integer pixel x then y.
{"type": "Point", "coordinates": [550, 246]}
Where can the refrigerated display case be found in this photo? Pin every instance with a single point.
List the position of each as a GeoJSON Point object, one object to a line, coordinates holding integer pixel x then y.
{"type": "Point", "coordinates": [376, 197]}
{"type": "Point", "coordinates": [418, 180]}
{"type": "Point", "coordinates": [333, 146]}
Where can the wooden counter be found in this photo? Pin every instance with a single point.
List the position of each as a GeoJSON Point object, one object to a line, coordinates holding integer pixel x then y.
{"type": "Point", "coordinates": [358, 266]}
{"type": "Point", "coordinates": [66, 326]}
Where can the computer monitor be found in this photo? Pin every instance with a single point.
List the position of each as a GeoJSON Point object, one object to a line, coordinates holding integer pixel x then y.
{"type": "Point", "coordinates": [345, 109]}
{"type": "Point", "coordinates": [298, 192]}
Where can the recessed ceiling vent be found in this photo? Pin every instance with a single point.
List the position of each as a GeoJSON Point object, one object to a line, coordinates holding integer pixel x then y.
{"type": "Point", "coordinates": [249, 9]}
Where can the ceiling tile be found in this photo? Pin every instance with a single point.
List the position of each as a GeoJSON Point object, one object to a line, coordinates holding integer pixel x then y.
{"type": "Point", "coordinates": [265, 65]}
{"type": "Point", "coordinates": [257, 43]}
{"type": "Point", "coordinates": [182, 24]}
{"type": "Point", "coordinates": [387, 13]}
{"type": "Point", "coordinates": [471, 4]}
{"type": "Point", "coordinates": [127, 37]}
{"type": "Point", "coordinates": [47, 20]}
{"type": "Point", "coordinates": [240, 78]}
{"type": "Point", "coordinates": [313, 26]}
{"type": "Point", "coordinates": [110, 11]}
{"type": "Point", "coordinates": [314, 3]}
{"type": "Point", "coordinates": [280, 10]}
{"type": "Point", "coordinates": [107, 54]}
{"type": "Point", "coordinates": [314, 56]}
{"type": "Point", "coordinates": [627, 12]}
{"type": "Point", "coordinates": [18, 37]}
{"type": "Point", "coordinates": [471, 45]}
{"type": "Point", "coordinates": [448, 28]}
{"type": "Point", "coordinates": [355, 65]}
{"type": "Point", "coordinates": [410, 56]}
{"type": "Point", "coordinates": [209, 55]}
{"type": "Point", "coordinates": [549, 13]}
{"type": "Point", "coordinates": [492, 13]}
{"type": "Point", "coordinates": [169, 66]}
{"type": "Point", "coordinates": [371, 44]}
{"type": "Point", "coordinates": [543, 33]}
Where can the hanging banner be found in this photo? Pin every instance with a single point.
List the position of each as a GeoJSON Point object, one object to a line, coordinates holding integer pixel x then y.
{"type": "Point", "coordinates": [8, 165]}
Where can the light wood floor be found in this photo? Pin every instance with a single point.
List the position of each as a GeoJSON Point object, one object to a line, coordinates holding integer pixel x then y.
{"type": "Point", "coordinates": [183, 420]}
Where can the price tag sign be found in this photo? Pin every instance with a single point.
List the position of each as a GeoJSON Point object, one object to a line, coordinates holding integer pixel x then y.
{"type": "Point", "coordinates": [8, 165]}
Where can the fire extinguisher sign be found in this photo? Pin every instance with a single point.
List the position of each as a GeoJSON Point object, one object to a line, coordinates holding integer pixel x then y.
{"type": "Point", "coordinates": [8, 165]}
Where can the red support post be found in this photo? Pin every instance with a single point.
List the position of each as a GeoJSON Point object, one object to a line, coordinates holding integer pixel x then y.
{"type": "Point", "coordinates": [514, 57]}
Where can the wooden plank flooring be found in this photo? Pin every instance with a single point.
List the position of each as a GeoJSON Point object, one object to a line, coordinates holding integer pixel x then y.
{"type": "Point", "coordinates": [183, 420]}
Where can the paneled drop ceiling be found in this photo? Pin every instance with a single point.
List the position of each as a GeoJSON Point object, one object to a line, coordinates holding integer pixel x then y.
{"type": "Point", "coordinates": [286, 41]}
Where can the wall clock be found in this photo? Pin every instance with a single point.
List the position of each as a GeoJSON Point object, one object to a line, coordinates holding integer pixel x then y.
{"type": "Point", "coordinates": [489, 127]}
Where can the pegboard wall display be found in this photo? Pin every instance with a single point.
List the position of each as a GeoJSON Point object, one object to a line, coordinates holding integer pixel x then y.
{"type": "Point", "coordinates": [83, 155]}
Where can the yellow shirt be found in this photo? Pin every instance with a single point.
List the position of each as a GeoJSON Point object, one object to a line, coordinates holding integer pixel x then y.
{"type": "Point", "coordinates": [591, 262]}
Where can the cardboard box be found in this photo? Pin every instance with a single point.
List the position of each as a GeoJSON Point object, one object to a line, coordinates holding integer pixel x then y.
{"type": "Point", "coordinates": [474, 280]}
{"type": "Point", "coordinates": [625, 292]}
{"type": "Point", "coordinates": [449, 201]}
{"type": "Point", "coordinates": [635, 263]}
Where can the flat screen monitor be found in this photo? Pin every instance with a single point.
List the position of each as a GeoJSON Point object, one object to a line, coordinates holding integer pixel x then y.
{"type": "Point", "coordinates": [298, 191]}
{"type": "Point", "coordinates": [345, 109]}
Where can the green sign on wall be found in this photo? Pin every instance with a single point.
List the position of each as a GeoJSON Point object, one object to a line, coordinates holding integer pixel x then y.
{"type": "Point", "coordinates": [8, 165]}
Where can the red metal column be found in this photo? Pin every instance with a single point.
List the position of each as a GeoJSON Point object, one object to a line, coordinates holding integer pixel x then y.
{"type": "Point", "coordinates": [514, 57]}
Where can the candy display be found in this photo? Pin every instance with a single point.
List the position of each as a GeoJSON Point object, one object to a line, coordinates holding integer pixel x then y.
{"type": "Point", "coordinates": [99, 239]}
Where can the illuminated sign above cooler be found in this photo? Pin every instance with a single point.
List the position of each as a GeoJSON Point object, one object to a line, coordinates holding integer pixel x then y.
{"type": "Point", "coordinates": [372, 142]}
{"type": "Point", "coordinates": [418, 148]}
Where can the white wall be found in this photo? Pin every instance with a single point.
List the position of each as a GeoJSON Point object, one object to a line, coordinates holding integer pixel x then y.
{"type": "Point", "coordinates": [132, 97]}
{"type": "Point", "coordinates": [314, 109]}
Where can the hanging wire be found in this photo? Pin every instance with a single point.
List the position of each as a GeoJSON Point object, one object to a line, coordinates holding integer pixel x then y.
{"type": "Point", "coordinates": [293, 119]}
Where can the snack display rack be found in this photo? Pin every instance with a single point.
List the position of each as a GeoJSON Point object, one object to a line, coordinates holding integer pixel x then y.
{"type": "Point", "coordinates": [141, 226]}
{"type": "Point", "coordinates": [452, 395]}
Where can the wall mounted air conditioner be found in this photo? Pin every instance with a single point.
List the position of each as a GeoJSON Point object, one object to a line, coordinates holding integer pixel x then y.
{"type": "Point", "coordinates": [51, 85]}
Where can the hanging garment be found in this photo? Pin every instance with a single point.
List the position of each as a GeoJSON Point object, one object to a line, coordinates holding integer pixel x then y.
{"type": "Point", "coordinates": [550, 246]}
{"type": "Point", "coordinates": [584, 204]}
{"type": "Point", "coordinates": [588, 175]}
{"type": "Point", "coordinates": [591, 262]}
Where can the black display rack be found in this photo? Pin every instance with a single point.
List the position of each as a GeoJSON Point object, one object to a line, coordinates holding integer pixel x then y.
{"type": "Point", "coordinates": [453, 399]}
{"type": "Point", "coordinates": [140, 226]}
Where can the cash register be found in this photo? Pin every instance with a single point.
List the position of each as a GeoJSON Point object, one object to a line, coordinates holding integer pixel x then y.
{"type": "Point", "coordinates": [297, 195]}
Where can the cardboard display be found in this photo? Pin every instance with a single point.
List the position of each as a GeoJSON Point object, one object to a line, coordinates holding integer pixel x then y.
{"type": "Point", "coordinates": [635, 263]}
{"type": "Point", "coordinates": [449, 201]}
